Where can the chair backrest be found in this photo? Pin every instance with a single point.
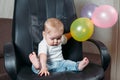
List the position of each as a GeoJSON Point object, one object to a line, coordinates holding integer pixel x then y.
{"type": "Point", "coordinates": [28, 20]}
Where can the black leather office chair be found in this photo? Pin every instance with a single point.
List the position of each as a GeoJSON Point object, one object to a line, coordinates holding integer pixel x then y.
{"type": "Point", "coordinates": [28, 20]}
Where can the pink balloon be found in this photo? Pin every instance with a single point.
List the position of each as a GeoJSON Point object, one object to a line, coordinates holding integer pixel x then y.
{"type": "Point", "coordinates": [104, 16]}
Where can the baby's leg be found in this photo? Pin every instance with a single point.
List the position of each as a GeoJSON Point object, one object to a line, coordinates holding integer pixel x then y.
{"type": "Point", "coordinates": [83, 63]}
{"type": "Point", "coordinates": [34, 60]}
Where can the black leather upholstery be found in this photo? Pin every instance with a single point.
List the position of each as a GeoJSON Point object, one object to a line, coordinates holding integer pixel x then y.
{"type": "Point", "coordinates": [28, 20]}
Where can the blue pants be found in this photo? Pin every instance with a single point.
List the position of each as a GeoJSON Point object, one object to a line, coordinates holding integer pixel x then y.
{"type": "Point", "coordinates": [60, 66]}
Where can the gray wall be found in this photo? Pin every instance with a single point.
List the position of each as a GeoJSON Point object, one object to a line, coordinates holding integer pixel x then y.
{"type": "Point", "coordinates": [6, 8]}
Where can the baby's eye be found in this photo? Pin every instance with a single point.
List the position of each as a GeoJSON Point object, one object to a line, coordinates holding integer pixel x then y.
{"type": "Point", "coordinates": [52, 38]}
{"type": "Point", "coordinates": [59, 38]}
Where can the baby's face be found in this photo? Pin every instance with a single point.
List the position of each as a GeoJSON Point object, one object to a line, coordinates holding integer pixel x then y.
{"type": "Point", "coordinates": [53, 38]}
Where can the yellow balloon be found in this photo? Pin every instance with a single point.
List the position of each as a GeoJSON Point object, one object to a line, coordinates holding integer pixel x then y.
{"type": "Point", "coordinates": [82, 29]}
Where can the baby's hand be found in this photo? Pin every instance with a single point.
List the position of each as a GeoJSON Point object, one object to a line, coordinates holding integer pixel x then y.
{"type": "Point", "coordinates": [44, 71]}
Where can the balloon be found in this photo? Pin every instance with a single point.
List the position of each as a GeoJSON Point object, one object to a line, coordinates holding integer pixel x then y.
{"type": "Point", "coordinates": [88, 10]}
{"type": "Point", "coordinates": [104, 16]}
{"type": "Point", "coordinates": [82, 29]}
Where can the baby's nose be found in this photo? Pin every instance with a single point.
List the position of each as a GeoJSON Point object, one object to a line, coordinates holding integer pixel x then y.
{"type": "Point", "coordinates": [55, 40]}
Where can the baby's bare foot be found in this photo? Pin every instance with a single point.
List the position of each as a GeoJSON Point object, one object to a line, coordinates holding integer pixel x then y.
{"type": "Point", "coordinates": [34, 60]}
{"type": "Point", "coordinates": [83, 64]}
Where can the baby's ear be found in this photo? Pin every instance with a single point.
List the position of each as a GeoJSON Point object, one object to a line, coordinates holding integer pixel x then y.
{"type": "Point", "coordinates": [43, 33]}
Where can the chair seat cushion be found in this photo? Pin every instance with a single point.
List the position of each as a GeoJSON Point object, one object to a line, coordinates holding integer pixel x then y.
{"type": "Point", "coordinates": [91, 72]}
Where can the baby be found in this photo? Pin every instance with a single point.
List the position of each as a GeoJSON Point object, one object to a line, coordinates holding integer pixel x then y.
{"type": "Point", "coordinates": [50, 58]}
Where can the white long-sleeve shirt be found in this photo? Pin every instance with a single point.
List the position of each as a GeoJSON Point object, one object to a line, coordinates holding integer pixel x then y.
{"type": "Point", "coordinates": [54, 53]}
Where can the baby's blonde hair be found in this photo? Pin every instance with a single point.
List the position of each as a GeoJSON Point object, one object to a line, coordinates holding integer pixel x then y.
{"type": "Point", "coordinates": [53, 23]}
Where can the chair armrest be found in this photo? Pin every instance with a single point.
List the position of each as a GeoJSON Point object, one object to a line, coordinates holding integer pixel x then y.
{"type": "Point", "coordinates": [10, 60]}
{"type": "Point", "coordinates": [105, 56]}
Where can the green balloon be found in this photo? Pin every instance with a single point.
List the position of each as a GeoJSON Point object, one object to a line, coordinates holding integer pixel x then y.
{"type": "Point", "coordinates": [82, 29]}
